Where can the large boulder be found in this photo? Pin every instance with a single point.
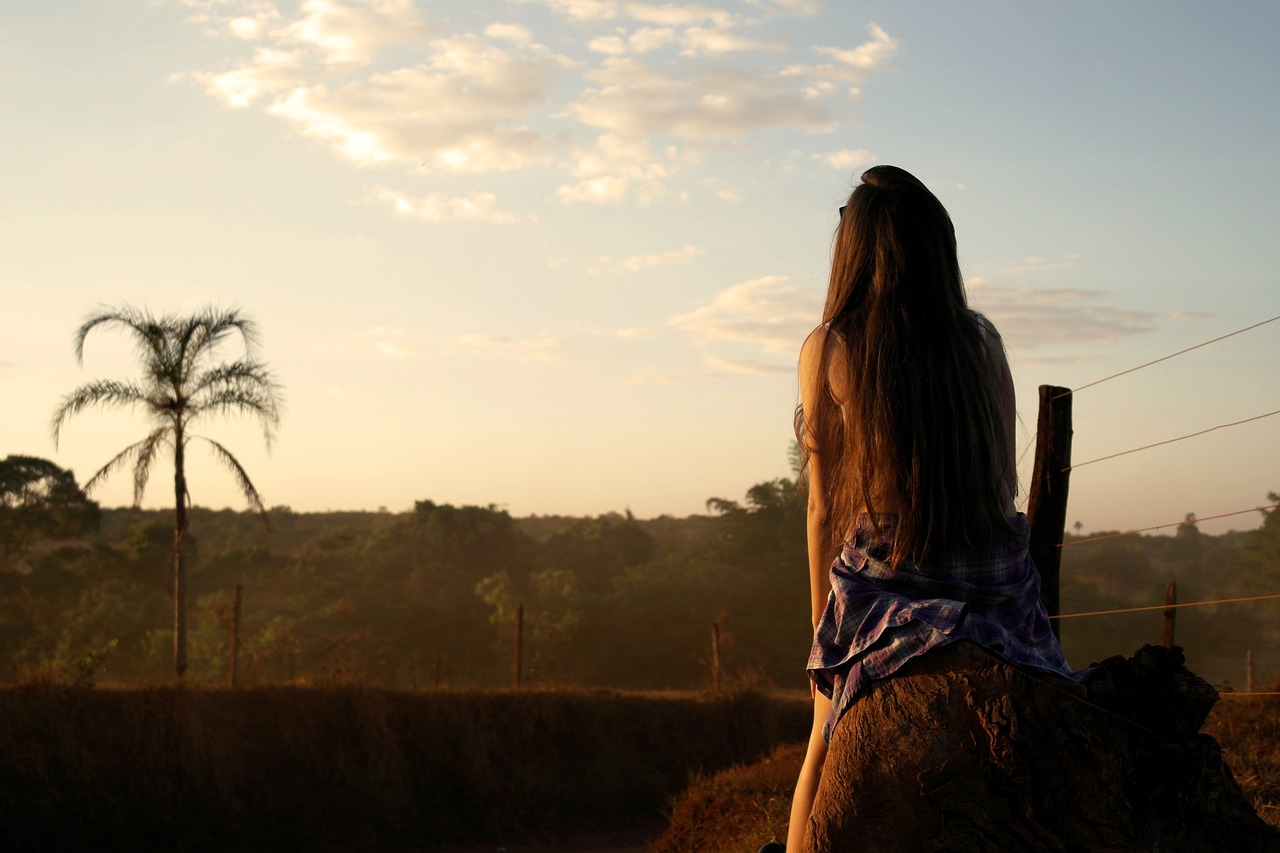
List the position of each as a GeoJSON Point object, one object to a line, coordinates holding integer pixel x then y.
{"type": "Point", "coordinates": [961, 751]}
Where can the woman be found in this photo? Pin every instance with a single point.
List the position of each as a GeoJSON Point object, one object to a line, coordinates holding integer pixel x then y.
{"type": "Point", "coordinates": [907, 420]}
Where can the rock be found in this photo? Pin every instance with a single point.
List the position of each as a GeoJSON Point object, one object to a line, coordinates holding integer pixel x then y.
{"type": "Point", "coordinates": [961, 751]}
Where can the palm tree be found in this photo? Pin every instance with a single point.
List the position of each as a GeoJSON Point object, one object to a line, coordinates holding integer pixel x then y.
{"type": "Point", "coordinates": [181, 384]}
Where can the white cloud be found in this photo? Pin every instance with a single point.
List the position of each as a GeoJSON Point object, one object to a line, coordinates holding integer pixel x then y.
{"type": "Point", "coordinates": [800, 7]}
{"type": "Point", "coordinates": [769, 314]}
{"type": "Point", "coordinates": [461, 109]}
{"type": "Point", "coordinates": [346, 33]}
{"type": "Point", "coordinates": [509, 32]}
{"type": "Point", "coordinates": [612, 45]}
{"type": "Point", "coordinates": [545, 348]}
{"type": "Point", "coordinates": [672, 14]}
{"type": "Point", "coordinates": [1031, 318]}
{"type": "Point", "coordinates": [499, 101]}
{"type": "Point", "coordinates": [245, 28]}
{"type": "Point", "coordinates": [846, 158]}
{"type": "Point", "coordinates": [625, 334]}
{"type": "Point", "coordinates": [439, 208]}
{"type": "Point", "coordinates": [637, 263]}
{"type": "Point", "coordinates": [871, 55]}
{"type": "Point", "coordinates": [1023, 266]}
{"type": "Point", "coordinates": [387, 340]}
{"type": "Point", "coordinates": [617, 167]}
{"type": "Point", "coordinates": [706, 104]}
{"type": "Point", "coordinates": [718, 40]}
{"type": "Point", "coordinates": [746, 366]}
{"type": "Point", "coordinates": [647, 39]}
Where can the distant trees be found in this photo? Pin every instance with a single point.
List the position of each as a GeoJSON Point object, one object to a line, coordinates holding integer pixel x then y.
{"type": "Point", "coordinates": [39, 499]}
{"type": "Point", "coordinates": [182, 384]}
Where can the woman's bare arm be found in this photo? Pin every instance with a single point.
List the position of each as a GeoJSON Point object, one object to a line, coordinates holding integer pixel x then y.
{"type": "Point", "coordinates": [822, 550]}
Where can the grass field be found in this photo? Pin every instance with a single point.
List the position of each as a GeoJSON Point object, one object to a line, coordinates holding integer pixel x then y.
{"type": "Point", "coordinates": [359, 768]}
{"type": "Point", "coordinates": [355, 768]}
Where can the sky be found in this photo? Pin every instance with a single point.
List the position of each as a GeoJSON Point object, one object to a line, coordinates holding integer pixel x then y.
{"type": "Point", "coordinates": [559, 256]}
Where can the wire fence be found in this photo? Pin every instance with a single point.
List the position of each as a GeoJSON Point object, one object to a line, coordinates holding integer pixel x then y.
{"type": "Point", "coordinates": [1266, 673]}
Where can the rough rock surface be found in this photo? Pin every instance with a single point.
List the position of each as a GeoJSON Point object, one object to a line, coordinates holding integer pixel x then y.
{"type": "Point", "coordinates": [963, 752]}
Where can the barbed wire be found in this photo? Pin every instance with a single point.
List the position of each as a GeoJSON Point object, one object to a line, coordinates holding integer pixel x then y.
{"type": "Point", "coordinates": [1169, 440]}
{"type": "Point", "coordinates": [1166, 606]}
{"type": "Point", "coordinates": [1164, 358]}
{"type": "Point", "coordinates": [1074, 542]}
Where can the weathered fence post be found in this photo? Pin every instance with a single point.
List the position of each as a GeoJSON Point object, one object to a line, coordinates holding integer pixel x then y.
{"type": "Point", "coordinates": [1047, 507]}
{"type": "Point", "coordinates": [715, 655]}
{"type": "Point", "coordinates": [1248, 671]}
{"type": "Point", "coordinates": [515, 671]}
{"type": "Point", "coordinates": [235, 637]}
{"type": "Point", "coordinates": [1170, 599]}
{"type": "Point", "coordinates": [435, 670]}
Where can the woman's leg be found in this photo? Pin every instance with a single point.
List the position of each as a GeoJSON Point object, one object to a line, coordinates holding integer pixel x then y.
{"type": "Point", "coordinates": [810, 773]}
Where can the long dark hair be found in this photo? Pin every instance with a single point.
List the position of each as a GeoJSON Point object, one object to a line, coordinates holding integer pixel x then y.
{"type": "Point", "coordinates": [921, 428]}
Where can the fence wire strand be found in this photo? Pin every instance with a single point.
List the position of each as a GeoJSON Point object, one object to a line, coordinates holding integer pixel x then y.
{"type": "Point", "coordinates": [1166, 606]}
{"type": "Point", "coordinates": [1169, 440]}
{"type": "Point", "coordinates": [1074, 542]}
{"type": "Point", "coordinates": [1166, 358]}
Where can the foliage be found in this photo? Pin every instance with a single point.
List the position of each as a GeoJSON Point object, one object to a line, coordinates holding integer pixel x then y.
{"type": "Point", "coordinates": [182, 386]}
{"type": "Point", "coordinates": [39, 500]}
{"type": "Point", "coordinates": [355, 769]}
{"type": "Point", "coordinates": [426, 598]}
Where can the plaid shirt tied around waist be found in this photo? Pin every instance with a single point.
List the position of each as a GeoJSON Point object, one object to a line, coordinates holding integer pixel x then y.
{"type": "Point", "coordinates": [877, 618]}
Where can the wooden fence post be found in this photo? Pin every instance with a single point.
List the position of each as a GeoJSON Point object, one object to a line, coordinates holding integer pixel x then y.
{"type": "Point", "coordinates": [435, 670]}
{"type": "Point", "coordinates": [715, 655]}
{"type": "Point", "coordinates": [1248, 671]}
{"type": "Point", "coordinates": [1047, 507]}
{"type": "Point", "coordinates": [235, 636]}
{"type": "Point", "coordinates": [515, 671]}
{"type": "Point", "coordinates": [1170, 599]}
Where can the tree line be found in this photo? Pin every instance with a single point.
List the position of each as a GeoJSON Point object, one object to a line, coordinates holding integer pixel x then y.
{"type": "Point", "coordinates": [426, 597]}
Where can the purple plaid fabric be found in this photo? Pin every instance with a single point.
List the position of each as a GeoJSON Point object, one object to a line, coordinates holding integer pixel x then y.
{"type": "Point", "coordinates": [878, 619]}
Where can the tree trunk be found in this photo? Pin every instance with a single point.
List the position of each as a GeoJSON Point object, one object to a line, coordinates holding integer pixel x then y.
{"type": "Point", "coordinates": [962, 752]}
{"type": "Point", "coordinates": [179, 556]}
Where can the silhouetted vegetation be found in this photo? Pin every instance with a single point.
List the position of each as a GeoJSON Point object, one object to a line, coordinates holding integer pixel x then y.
{"type": "Point", "coordinates": [354, 768]}
{"type": "Point", "coordinates": [426, 598]}
{"type": "Point", "coordinates": [181, 387]}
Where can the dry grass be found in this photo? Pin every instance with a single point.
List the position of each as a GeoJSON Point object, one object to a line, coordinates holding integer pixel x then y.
{"type": "Point", "coordinates": [1248, 729]}
{"type": "Point", "coordinates": [353, 768]}
{"type": "Point", "coordinates": [737, 809]}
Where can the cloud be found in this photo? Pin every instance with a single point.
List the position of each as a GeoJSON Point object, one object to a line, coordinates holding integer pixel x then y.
{"type": "Point", "coordinates": [1036, 318]}
{"type": "Point", "coordinates": [646, 39]}
{"type": "Point", "coordinates": [1024, 266]}
{"type": "Point", "coordinates": [461, 109]}
{"type": "Point", "coordinates": [352, 33]}
{"type": "Point", "coordinates": [439, 208]}
{"type": "Point", "coordinates": [874, 54]}
{"type": "Point", "coordinates": [386, 340]}
{"type": "Point", "coordinates": [767, 314]}
{"type": "Point", "coordinates": [658, 86]}
{"type": "Point", "coordinates": [722, 39]}
{"type": "Point", "coordinates": [846, 158]}
{"type": "Point", "coordinates": [625, 334]}
{"type": "Point", "coordinates": [617, 167]}
{"type": "Point", "coordinates": [636, 263]}
{"type": "Point", "coordinates": [671, 14]}
{"type": "Point", "coordinates": [631, 102]}
{"type": "Point", "coordinates": [545, 348]}
{"type": "Point", "coordinates": [509, 32]}
{"type": "Point", "coordinates": [746, 366]}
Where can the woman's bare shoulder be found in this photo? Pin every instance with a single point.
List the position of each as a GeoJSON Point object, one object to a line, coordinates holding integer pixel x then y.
{"type": "Point", "coordinates": [825, 345]}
